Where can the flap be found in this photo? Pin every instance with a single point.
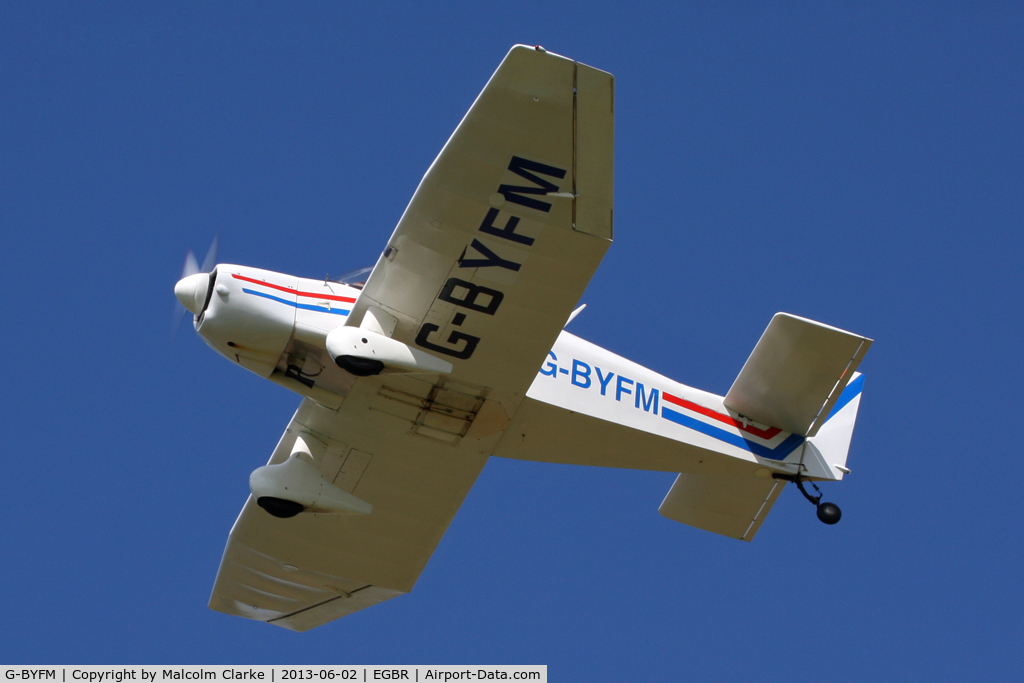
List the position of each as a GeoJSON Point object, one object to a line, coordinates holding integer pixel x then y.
{"type": "Point", "coordinates": [731, 506]}
{"type": "Point", "coordinates": [796, 373]}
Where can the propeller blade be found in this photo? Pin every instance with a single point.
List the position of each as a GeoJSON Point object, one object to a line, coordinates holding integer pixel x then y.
{"type": "Point", "coordinates": [190, 267]}
{"type": "Point", "coordinates": [211, 256]}
{"type": "Point", "coordinates": [179, 313]}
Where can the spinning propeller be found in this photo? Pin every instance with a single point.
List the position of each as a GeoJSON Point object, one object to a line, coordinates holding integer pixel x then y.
{"type": "Point", "coordinates": [194, 284]}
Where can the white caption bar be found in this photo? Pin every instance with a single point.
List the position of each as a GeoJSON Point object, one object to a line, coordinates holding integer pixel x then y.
{"type": "Point", "coordinates": [272, 674]}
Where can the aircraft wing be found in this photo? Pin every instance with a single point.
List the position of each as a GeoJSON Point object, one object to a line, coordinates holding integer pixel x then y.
{"type": "Point", "coordinates": [304, 571]}
{"type": "Point", "coordinates": [507, 226]}
{"type": "Point", "coordinates": [483, 270]}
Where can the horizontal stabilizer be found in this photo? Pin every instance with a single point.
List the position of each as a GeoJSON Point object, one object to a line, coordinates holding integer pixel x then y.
{"type": "Point", "coordinates": [796, 373]}
{"type": "Point", "coordinates": [731, 506]}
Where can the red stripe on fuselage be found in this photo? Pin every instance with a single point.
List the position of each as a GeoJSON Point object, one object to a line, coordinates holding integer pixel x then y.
{"type": "Point", "coordinates": [313, 295]}
{"type": "Point", "coordinates": [689, 405]}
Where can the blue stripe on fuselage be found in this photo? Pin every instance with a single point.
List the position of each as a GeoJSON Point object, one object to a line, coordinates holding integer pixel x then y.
{"type": "Point", "coordinates": [778, 453]}
{"type": "Point", "coordinates": [306, 307]}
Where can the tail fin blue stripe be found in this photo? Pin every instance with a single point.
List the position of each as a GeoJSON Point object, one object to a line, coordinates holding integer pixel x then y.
{"type": "Point", "coordinates": [851, 392]}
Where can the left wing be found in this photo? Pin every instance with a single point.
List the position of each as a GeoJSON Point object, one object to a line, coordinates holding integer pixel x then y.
{"type": "Point", "coordinates": [507, 226]}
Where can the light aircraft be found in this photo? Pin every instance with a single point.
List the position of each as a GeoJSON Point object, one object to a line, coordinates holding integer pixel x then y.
{"type": "Point", "coordinates": [452, 350]}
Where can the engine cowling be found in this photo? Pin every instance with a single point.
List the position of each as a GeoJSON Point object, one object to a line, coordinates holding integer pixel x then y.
{"type": "Point", "coordinates": [250, 316]}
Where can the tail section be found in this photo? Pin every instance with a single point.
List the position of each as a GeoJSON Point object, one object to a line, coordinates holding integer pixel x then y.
{"type": "Point", "coordinates": [800, 378]}
{"type": "Point", "coordinates": [730, 506]}
{"type": "Point", "coordinates": [796, 374]}
{"type": "Point", "coordinates": [824, 455]}
{"type": "Point", "coordinates": [736, 506]}
{"type": "Point", "coordinates": [789, 416]}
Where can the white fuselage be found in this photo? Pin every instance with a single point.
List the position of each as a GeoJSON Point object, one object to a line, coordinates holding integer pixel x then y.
{"type": "Point", "coordinates": [276, 325]}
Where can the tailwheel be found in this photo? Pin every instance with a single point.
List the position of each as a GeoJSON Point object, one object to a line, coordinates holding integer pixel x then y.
{"type": "Point", "coordinates": [829, 513]}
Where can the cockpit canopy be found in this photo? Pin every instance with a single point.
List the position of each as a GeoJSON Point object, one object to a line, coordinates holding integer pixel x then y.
{"type": "Point", "coordinates": [354, 278]}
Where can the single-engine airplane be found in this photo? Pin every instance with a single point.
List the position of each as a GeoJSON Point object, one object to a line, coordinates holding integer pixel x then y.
{"type": "Point", "coordinates": [453, 350]}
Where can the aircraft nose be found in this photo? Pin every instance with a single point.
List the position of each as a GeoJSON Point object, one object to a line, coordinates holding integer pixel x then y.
{"type": "Point", "coordinates": [192, 290]}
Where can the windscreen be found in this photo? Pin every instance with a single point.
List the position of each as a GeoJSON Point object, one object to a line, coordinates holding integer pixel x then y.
{"type": "Point", "coordinates": [354, 278]}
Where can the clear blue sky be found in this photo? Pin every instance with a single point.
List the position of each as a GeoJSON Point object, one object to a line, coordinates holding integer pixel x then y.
{"type": "Point", "coordinates": [861, 166]}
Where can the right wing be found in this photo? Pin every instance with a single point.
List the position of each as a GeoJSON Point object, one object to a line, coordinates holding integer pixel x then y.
{"type": "Point", "coordinates": [304, 571]}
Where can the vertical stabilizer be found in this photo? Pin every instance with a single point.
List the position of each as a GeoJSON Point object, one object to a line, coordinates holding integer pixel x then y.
{"type": "Point", "coordinates": [825, 453]}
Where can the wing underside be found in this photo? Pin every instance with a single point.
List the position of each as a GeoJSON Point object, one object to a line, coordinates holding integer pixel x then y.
{"type": "Point", "coordinates": [307, 570]}
{"type": "Point", "coordinates": [507, 227]}
{"type": "Point", "coordinates": [483, 270]}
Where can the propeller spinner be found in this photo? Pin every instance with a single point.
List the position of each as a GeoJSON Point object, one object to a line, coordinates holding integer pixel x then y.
{"type": "Point", "coordinates": [193, 287]}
